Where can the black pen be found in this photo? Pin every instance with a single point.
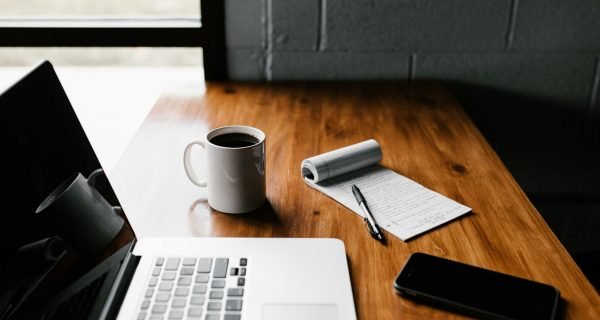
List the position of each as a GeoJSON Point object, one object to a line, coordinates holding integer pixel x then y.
{"type": "Point", "coordinates": [368, 217]}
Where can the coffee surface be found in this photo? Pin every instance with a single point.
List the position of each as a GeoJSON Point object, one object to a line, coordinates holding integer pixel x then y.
{"type": "Point", "coordinates": [234, 140]}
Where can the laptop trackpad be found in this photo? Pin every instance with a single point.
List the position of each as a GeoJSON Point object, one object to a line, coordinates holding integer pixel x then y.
{"type": "Point", "coordinates": [299, 311]}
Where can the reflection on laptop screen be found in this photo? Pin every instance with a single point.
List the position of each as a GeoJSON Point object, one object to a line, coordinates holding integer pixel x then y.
{"type": "Point", "coordinates": [60, 250]}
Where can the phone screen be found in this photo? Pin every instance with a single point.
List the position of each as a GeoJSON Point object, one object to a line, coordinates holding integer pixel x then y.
{"type": "Point", "coordinates": [475, 290]}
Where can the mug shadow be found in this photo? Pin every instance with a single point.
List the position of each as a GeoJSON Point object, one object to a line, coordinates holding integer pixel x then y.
{"type": "Point", "coordinates": [262, 222]}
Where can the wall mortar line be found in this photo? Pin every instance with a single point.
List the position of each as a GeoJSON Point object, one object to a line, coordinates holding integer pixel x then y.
{"type": "Point", "coordinates": [321, 44]}
{"type": "Point", "coordinates": [593, 97]}
{"type": "Point", "coordinates": [512, 22]}
{"type": "Point", "coordinates": [412, 66]}
{"type": "Point", "coordinates": [268, 27]}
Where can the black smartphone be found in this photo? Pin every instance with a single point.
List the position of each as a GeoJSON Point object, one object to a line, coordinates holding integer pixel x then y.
{"type": "Point", "coordinates": [475, 291]}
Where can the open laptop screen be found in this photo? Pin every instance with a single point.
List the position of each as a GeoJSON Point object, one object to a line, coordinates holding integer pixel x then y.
{"type": "Point", "coordinates": [60, 220]}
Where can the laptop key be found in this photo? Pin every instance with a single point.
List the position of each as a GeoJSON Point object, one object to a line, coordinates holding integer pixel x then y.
{"type": "Point", "coordinates": [232, 317]}
{"type": "Point", "coordinates": [159, 309]}
{"type": "Point", "coordinates": [175, 314]}
{"type": "Point", "coordinates": [197, 300]}
{"type": "Point", "coordinates": [169, 275]}
{"type": "Point", "coordinates": [220, 268]}
{"type": "Point", "coordinates": [242, 271]}
{"type": "Point", "coordinates": [155, 317]}
{"type": "Point", "coordinates": [216, 294]}
{"type": "Point", "coordinates": [189, 261]}
{"type": "Point", "coordinates": [187, 271]}
{"type": "Point", "coordinates": [233, 305]}
{"type": "Point", "coordinates": [214, 306]}
{"type": "Point", "coordinates": [204, 265]}
{"type": "Point", "coordinates": [145, 304]}
{"type": "Point", "coordinates": [165, 286]}
{"type": "Point", "coordinates": [195, 312]}
{"type": "Point", "coordinates": [178, 303]}
{"type": "Point", "coordinates": [153, 281]}
{"type": "Point", "coordinates": [241, 282]}
{"type": "Point", "coordinates": [233, 271]}
{"type": "Point", "coordinates": [162, 297]}
{"type": "Point", "coordinates": [182, 291]}
{"type": "Point", "coordinates": [235, 292]}
{"type": "Point", "coordinates": [184, 281]}
{"type": "Point", "coordinates": [200, 288]}
{"type": "Point", "coordinates": [156, 271]}
{"type": "Point", "coordinates": [243, 262]}
{"type": "Point", "coordinates": [159, 261]}
{"type": "Point", "coordinates": [202, 278]}
{"type": "Point", "coordinates": [218, 284]}
{"type": "Point", "coordinates": [141, 316]}
{"type": "Point", "coordinates": [149, 293]}
{"type": "Point", "coordinates": [172, 264]}
{"type": "Point", "coordinates": [213, 316]}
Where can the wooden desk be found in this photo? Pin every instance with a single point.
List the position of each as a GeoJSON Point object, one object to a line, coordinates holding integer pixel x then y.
{"type": "Point", "coordinates": [424, 134]}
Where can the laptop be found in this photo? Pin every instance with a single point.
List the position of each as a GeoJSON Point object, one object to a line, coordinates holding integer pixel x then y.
{"type": "Point", "coordinates": [47, 273]}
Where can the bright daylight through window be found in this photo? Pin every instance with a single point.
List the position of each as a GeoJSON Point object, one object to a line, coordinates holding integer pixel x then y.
{"type": "Point", "coordinates": [112, 13]}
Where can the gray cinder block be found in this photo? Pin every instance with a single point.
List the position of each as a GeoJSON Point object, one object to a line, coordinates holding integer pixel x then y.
{"type": "Point", "coordinates": [295, 24]}
{"type": "Point", "coordinates": [339, 66]}
{"type": "Point", "coordinates": [557, 78]}
{"type": "Point", "coordinates": [417, 25]}
{"type": "Point", "coordinates": [243, 23]}
{"type": "Point", "coordinates": [557, 25]}
{"type": "Point", "coordinates": [245, 64]}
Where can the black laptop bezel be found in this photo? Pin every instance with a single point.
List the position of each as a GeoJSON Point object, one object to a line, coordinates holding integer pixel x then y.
{"type": "Point", "coordinates": [119, 267]}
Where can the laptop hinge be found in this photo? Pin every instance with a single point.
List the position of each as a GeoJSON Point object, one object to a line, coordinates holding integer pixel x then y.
{"type": "Point", "coordinates": [117, 292]}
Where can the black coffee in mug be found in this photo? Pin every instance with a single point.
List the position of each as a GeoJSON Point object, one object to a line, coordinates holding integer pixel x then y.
{"type": "Point", "coordinates": [234, 140]}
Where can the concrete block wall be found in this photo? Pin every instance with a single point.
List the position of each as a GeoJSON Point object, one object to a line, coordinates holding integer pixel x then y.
{"type": "Point", "coordinates": [547, 49]}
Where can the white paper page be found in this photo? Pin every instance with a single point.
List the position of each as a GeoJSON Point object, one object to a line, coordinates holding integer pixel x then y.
{"type": "Point", "coordinates": [399, 205]}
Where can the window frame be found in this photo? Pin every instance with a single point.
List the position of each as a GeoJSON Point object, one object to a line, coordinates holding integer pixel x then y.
{"type": "Point", "coordinates": [209, 33]}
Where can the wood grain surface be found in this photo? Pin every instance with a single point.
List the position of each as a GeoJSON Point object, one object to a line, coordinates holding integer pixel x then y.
{"type": "Point", "coordinates": [425, 135]}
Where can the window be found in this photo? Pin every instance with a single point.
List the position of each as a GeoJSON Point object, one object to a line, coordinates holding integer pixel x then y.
{"type": "Point", "coordinates": [70, 30]}
{"type": "Point", "coordinates": [100, 23]}
{"type": "Point", "coordinates": [105, 8]}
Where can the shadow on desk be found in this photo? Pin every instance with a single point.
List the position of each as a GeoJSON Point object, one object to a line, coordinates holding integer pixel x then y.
{"type": "Point", "coordinates": [553, 151]}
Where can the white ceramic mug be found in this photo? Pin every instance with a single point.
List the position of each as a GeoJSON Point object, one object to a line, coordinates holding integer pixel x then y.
{"type": "Point", "coordinates": [235, 163]}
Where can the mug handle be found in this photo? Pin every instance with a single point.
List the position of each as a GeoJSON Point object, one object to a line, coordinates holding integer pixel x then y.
{"type": "Point", "coordinates": [187, 163]}
{"type": "Point", "coordinates": [91, 180]}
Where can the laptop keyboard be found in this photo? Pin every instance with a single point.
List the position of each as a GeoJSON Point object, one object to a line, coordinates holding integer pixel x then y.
{"type": "Point", "coordinates": [195, 288]}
